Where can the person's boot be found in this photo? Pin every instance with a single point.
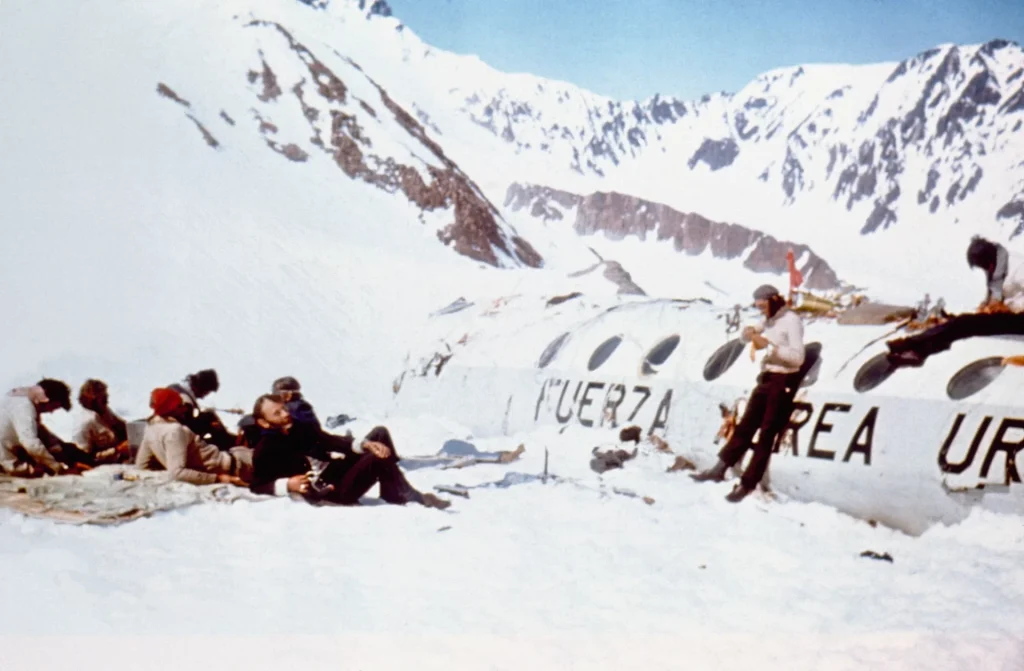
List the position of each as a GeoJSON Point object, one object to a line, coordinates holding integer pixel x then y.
{"type": "Point", "coordinates": [430, 500]}
{"type": "Point", "coordinates": [738, 493]}
{"type": "Point", "coordinates": [714, 474]}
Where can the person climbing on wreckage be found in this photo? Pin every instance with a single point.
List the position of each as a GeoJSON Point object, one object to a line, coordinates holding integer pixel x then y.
{"type": "Point", "coordinates": [1001, 313]}
{"type": "Point", "coordinates": [768, 409]}
{"type": "Point", "coordinates": [27, 448]}
{"type": "Point", "coordinates": [169, 445]}
{"type": "Point", "coordinates": [298, 457]}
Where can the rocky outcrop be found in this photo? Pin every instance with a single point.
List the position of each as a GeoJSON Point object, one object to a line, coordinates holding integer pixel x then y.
{"type": "Point", "coordinates": [619, 216]}
{"type": "Point", "coordinates": [340, 126]}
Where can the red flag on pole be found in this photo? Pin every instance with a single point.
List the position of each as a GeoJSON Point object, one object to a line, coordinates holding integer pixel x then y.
{"type": "Point", "coordinates": [796, 278]}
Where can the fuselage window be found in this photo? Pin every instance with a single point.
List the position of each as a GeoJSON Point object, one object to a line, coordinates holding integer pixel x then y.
{"type": "Point", "coordinates": [603, 351]}
{"type": "Point", "coordinates": [723, 359]}
{"type": "Point", "coordinates": [808, 374]}
{"type": "Point", "coordinates": [974, 377]}
{"type": "Point", "coordinates": [551, 350]}
{"type": "Point", "coordinates": [874, 372]}
{"type": "Point", "coordinates": [659, 354]}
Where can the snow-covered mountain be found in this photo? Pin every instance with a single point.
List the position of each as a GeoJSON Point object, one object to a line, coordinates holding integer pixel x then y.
{"type": "Point", "coordinates": [861, 162]}
{"type": "Point", "coordinates": [856, 136]}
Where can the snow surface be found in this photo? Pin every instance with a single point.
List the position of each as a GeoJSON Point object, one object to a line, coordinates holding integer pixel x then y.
{"type": "Point", "coordinates": [133, 252]}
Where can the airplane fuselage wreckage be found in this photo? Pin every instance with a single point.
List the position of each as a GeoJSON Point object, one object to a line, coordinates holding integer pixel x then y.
{"type": "Point", "coordinates": [908, 447]}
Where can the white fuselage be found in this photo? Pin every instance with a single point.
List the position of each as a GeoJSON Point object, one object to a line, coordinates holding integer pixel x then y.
{"type": "Point", "coordinates": [903, 453]}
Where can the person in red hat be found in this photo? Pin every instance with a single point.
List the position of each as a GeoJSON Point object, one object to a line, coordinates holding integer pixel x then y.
{"type": "Point", "coordinates": [170, 445]}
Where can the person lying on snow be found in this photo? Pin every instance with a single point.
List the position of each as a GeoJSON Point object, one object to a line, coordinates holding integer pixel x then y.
{"type": "Point", "coordinates": [289, 389]}
{"type": "Point", "coordinates": [298, 457]}
{"type": "Point", "coordinates": [27, 448]}
{"type": "Point", "coordinates": [1001, 313]}
{"type": "Point", "coordinates": [770, 404]}
{"type": "Point", "coordinates": [168, 444]}
{"type": "Point", "coordinates": [98, 431]}
{"type": "Point", "coordinates": [204, 423]}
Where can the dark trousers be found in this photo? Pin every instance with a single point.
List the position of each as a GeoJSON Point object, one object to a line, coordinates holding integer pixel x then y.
{"type": "Point", "coordinates": [207, 423]}
{"type": "Point", "coordinates": [767, 413]}
{"type": "Point", "coordinates": [939, 338]}
{"type": "Point", "coordinates": [353, 477]}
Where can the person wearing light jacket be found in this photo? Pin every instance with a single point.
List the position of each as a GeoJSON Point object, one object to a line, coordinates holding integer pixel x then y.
{"type": "Point", "coordinates": [1004, 273]}
{"type": "Point", "coordinates": [98, 430]}
{"type": "Point", "coordinates": [781, 336]}
{"type": "Point", "coordinates": [25, 444]}
{"type": "Point", "coordinates": [170, 445]}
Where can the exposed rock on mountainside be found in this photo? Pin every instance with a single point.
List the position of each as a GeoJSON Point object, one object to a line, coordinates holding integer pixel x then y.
{"type": "Point", "coordinates": [619, 216]}
{"type": "Point", "coordinates": [358, 129]}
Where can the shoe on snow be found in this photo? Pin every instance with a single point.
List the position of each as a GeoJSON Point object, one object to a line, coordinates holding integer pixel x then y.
{"type": "Point", "coordinates": [738, 493]}
{"type": "Point", "coordinates": [433, 501]}
{"type": "Point", "coordinates": [714, 474]}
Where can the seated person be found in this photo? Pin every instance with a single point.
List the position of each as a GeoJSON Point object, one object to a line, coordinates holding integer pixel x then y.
{"type": "Point", "coordinates": [1001, 313]}
{"type": "Point", "coordinates": [204, 423]}
{"type": "Point", "coordinates": [290, 451]}
{"type": "Point", "coordinates": [98, 431]}
{"type": "Point", "coordinates": [170, 445]}
{"type": "Point", "coordinates": [289, 389]}
{"type": "Point", "coordinates": [299, 408]}
{"type": "Point", "coordinates": [27, 448]}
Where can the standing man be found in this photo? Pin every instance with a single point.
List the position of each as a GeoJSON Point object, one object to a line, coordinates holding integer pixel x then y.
{"type": "Point", "coordinates": [768, 409]}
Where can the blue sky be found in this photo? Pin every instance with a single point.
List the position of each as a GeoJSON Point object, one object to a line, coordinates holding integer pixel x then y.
{"type": "Point", "coordinates": [686, 48]}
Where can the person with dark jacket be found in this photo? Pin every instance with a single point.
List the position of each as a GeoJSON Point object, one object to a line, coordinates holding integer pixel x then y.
{"type": "Point", "coordinates": [289, 389]}
{"type": "Point", "coordinates": [1001, 313]}
{"type": "Point", "coordinates": [771, 402]}
{"type": "Point", "coordinates": [298, 457]}
{"type": "Point", "coordinates": [204, 423]}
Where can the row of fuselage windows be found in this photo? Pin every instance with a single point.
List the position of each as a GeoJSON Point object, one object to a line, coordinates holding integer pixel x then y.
{"type": "Point", "coordinates": [966, 382]}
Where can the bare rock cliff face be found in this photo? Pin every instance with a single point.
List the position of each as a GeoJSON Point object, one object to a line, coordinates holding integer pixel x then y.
{"type": "Point", "coordinates": [341, 125]}
{"type": "Point", "coordinates": [619, 216]}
